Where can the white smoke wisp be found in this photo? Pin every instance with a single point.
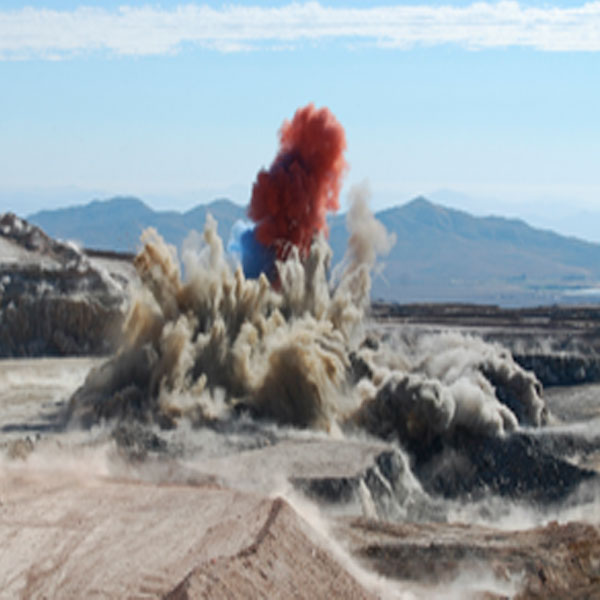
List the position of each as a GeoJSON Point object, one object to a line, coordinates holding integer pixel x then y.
{"type": "Point", "coordinates": [369, 239]}
{"type": "Point", "coordinates": [452, 357]}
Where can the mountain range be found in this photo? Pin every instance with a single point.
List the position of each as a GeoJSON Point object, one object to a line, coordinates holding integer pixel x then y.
{"type": "Point", "coordinates": [441, 254]}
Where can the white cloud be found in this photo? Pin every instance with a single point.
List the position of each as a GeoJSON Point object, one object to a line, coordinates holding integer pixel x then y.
{"type": "Point", "coordinates": [42, 33]}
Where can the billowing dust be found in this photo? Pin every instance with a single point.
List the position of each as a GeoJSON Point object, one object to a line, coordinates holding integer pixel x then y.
{"type": "Point", "coordinates": [280, 335]}
{"type": "Point", "coordinates": [216, 344]}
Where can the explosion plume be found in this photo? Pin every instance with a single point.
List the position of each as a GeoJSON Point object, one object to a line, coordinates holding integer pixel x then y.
{"type": "Point", "coordinates": [208, 343]}
{"type": "Point", "coordinates": [290, 201]}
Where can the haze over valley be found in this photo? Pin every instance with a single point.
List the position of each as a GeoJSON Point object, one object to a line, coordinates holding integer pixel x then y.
{"type": "Point", "coordinates": [440, 255]}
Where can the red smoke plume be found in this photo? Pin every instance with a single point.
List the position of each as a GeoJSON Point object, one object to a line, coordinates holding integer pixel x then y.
{"type": "Point", "coordinates": [290, 201]}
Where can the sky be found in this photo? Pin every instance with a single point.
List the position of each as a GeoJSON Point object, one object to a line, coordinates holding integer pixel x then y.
{"type": "Point", "coordinates": [490, 107]}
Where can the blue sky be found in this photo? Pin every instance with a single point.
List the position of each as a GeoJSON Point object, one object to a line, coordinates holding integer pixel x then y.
{"type": "Point", "coordinates": [489, 107]}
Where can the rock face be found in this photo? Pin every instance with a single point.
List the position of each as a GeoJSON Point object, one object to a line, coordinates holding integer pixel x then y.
{"type": "Point", "coordinates": [55, 300]}
{"type": "Point", "coordinates": [562, 368]}
{"type": "Point", "coordinates": [520, 466]}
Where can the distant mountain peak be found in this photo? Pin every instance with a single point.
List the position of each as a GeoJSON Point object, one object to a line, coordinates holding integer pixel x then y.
{"type": "Point", "coordinates": [421, 205]}
{"type": "Point", "coordinates": [129, 204]}
{"type": "Point", "coordinates": [217, 205]}
{"type": "Point", "coordinates": [441, 254]}
{"type": "Point", "coordinates": [116, 223]}
{"type": "Point", "coordinates": [426, 213]}
{"type": "Point", "coordinates": [420, 202]}
{"type": "Point", "coordinates": [120, 200]}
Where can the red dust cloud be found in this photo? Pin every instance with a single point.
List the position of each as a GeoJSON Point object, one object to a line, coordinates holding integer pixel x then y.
{"type": "Point", "coordinates": [290, 201]}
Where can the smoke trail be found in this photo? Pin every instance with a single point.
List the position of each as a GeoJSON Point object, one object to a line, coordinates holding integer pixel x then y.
{"type": "Point", "coordinates": [290, 201]}
{"type": "Point", "coordinates": [368, 240]}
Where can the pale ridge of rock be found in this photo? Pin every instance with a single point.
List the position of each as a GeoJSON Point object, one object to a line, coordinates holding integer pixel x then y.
{"type": "Point", "coordinates": [55, 300]}
{"type": "Point", "coordinates": [282, 563]}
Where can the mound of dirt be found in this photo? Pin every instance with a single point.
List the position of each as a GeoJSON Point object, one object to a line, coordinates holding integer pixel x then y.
{"type": "Point", "coordinates": [69, 535]}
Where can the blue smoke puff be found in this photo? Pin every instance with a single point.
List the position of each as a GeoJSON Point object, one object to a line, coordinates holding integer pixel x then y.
{"type": "Point", "coordinates": [255, 257]}
{"type": "Point", "coordinates": [234, 245]}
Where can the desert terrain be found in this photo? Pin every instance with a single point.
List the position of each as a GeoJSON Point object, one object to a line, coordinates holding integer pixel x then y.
{"type": "Point", "coordinates": [256, 510]}
{"type": "Point", "coordinates": [290, 443]}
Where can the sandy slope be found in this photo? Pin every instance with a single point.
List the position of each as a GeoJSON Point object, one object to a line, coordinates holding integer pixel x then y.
{"type": "Point", "coordinates": [75, 521]}
{"type": "Point", "coordinates": [67, 536]}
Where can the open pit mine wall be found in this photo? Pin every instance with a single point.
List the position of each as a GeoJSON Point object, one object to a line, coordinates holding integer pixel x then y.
{"type": "Point", "coordinates": [54, 300]}
{"type": "Point", "coordinates": [43, 314]}
{"type": "Point", "coordinates": [560, 344]}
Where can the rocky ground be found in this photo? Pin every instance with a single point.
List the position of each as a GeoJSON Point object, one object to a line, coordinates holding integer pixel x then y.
{"type": "Point", "coordinates": [73, 534]}
{"type": "Point", "coordinates": [261, 511]}
{"type": "Point", "coordinates": [553, 561]}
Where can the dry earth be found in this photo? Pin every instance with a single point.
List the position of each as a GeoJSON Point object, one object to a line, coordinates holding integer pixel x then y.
{"type": "Point", "coordinates": [79, 519]}
{"type": "Point", "coordinates": [69, 535]}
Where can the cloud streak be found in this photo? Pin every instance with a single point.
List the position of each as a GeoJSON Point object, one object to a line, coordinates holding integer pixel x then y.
{"type": "Point", "coordinates": [131, 31]}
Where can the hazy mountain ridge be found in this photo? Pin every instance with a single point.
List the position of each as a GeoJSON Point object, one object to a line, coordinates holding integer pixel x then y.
{"type": "Point", "coordinates": [116, 224]}
{"type": "Point", "coordinates": [441, 254]}
{"type": "Point", "coordinates": [446, 254]}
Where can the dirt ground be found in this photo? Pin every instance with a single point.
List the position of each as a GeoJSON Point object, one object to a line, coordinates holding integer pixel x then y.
{"type": "Point", "coordinates": [78, 518]}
